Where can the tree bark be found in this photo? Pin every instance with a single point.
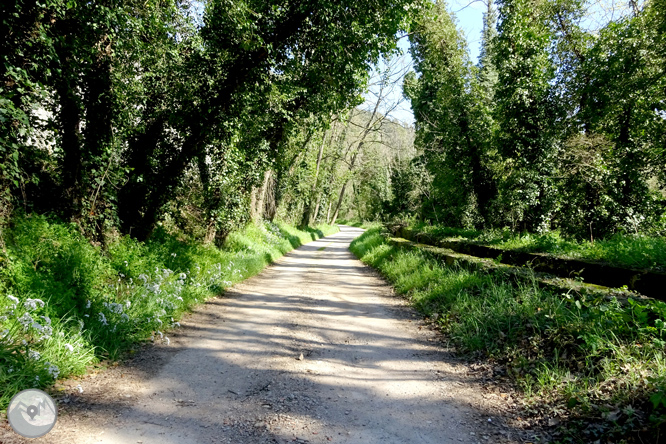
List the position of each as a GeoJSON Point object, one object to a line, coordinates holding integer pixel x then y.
{"type": "Point", "coordinates": [340, 198]}
{"type": "Point", "coordinates": [308, 208]}
{"type": "Point", "coordinates": [261, 195]}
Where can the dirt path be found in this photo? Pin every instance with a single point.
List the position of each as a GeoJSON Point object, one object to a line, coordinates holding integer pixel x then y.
{"type": "Point", "coordinates": [314, 349]}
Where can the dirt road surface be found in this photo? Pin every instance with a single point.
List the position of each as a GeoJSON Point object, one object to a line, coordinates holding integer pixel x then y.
{"type": "Point", "coordinates": [315, 349]}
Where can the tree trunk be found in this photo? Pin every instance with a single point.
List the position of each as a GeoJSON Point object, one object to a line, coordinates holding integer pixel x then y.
{"type": "Point", "coordinates": [337, 206]}
{"type": "Point", "coordinates": [316, 210]}
{"type": "Point", "coordinates": [270, 206]}
{"type": "Point", "coordinates": [308, 209]}
{"type": "Point", "coordinates": [261, 195]}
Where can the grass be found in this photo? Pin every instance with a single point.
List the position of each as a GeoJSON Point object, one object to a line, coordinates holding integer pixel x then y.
{"type": "Point", "coordinates": [65, 304]}
{"type": "Point", "coordinates": [366, 224]}
{"type": "Point", "coordinates": [625, 250]}
{"type": "Point", "coordinates": [596, 364]}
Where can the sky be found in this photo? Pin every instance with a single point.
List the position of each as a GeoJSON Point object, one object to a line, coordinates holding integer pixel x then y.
{"type": "Point", "coordinates": [469, 17]}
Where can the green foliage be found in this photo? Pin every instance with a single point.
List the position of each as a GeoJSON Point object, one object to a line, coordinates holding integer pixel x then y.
{"type": "Point", "coordinates": [585, 357]}
{"type": "Point", "coordinates": [624, 250]}
{"type": "Point", "coordinates": [454, 124]}
{"type": "Point", "coordinates": [558, 127]}
{"type": "Point", "coordinates": [65, 303]}
{"type": "Point", "coordinates": [108, 109]}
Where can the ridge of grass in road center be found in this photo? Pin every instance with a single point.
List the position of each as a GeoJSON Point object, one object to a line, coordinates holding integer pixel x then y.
{"type": "Point", "coordinates": [593, 363]}
{"type": "Point", "coordinates": [65, 303]}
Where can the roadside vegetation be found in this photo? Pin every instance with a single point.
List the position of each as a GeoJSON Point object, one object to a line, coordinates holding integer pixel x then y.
{"type": "Point", "coordinates": [595, 365]}
{"type": "Point", "coordinates": [622, 249]}
{"type": "Point", "coordinates": [67, 304]}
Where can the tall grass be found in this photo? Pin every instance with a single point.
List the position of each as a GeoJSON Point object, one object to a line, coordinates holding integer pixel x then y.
{"type": "Point", "coordinates": [590, 360]}
{"type": "Point", "coordinates": [65, 304]}
{"type": "Point", "coordinates": [626, 250]}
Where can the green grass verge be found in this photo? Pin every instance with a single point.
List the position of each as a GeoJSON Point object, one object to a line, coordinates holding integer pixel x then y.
{"type": "Point", "coordinates": [366, 224]}
{"type": "Point", "coordinates": [634, 251]}
{"type": "Point", "coordinates": [65, 304]}
{"type": "Point", "coordinates": [596, 364]}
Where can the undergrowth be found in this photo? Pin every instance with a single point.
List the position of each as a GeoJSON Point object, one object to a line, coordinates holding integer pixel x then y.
{"type": "Point", "coordinates": [596, 364]}
{"type": "Point", "coordinates": [65, 304]}
{"type": "Point", "coordinates": [626, 250]}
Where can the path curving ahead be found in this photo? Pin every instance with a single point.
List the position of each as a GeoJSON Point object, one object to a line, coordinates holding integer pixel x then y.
{"type": "Point", "coordinates": [314, 349]}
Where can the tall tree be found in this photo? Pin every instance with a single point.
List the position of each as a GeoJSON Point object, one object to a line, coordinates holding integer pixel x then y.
{"type": "Point", "coordinates": [526, 112]}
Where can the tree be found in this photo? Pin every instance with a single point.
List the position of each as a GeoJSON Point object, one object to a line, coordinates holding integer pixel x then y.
{"type": "Point", "coordinates": [527, 113]}
{"type": "Point", "coordinates": [453, 124]}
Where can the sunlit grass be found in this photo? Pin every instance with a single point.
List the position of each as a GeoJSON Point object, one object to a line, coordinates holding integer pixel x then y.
{"type": "Point", "coordinates": [636, 251]}
{"type": "Point", "coordinates": [575, 354]}
{"type": "Point", "coordinates": [65, 304]}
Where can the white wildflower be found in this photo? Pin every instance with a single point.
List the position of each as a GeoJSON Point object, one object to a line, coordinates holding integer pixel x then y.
{"type": "Point", "coordinates": [47, 320]}
{"type": "Point", "coordinates": [173, 254]}
{"type": "Point", "coordinates": [102, 319]}
{"type": "Point", "coordinates": [4, 333]}
{"type": "Point", "coordinates": [176, 324]}
{"type": "Point", "coordinates": [113, 307]}
{"type": "Point", "coordinates": [3, 318]}
{"type": "Point", "coordinates": [31, 304]}
{"type": "Point", "coordinates": [79, 388]}
{"type": "Point", "coordinates": [126, 263]}
{"type": "Point", "coordinates": [53, 370]}
{"type": "Point", "coordinates": [87, 304]}
{"type": "Point", "coordinates": [124, 317]}
{"type": "Point", "coordinates": [155, 288]}
{"type": "Point", "coordinates": [128, 304]}
{"type": "Point", "coordinates": [81, 324]}
{"type": "Point", "coordinates": [14, 299]}
{"type": "Point", "coordinates": [26, 320]}
{"type": "Point", "coordinates": [167, 340]}
{"type": "Point", "coordinates": [69, 347]}
{"type": "Point", "coordinates": [33, 354]}
{"type": "Point", "coordinates": [144, 278]}
{"type": "Point", "coordinates": [179, 298]}
{"type": "Point", "coordinates": [47, 331]}
{"type": "Point", "coordinates": [160, 333]}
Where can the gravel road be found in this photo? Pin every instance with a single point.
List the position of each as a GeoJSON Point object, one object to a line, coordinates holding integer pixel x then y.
{"type": "Point", "coordinates": [314, 349]}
